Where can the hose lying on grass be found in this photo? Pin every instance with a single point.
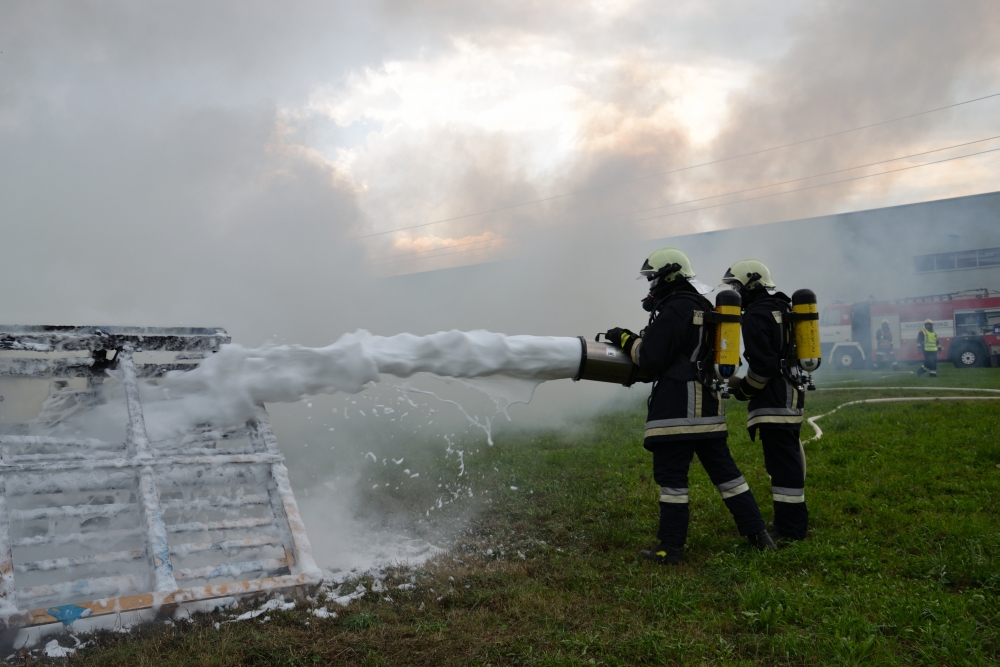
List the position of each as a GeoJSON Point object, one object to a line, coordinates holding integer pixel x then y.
{"type": "Point", "coordinates": [819, 432]}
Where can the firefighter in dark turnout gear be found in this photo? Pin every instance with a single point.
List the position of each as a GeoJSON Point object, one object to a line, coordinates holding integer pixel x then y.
{"type": "Point", "coordinates": [883, 347]}
{"type": "Point", "coordinates": [776, 399]}
{"type": "Point", "coordinates": [927, 342]}
{"type": "Point", "coordinates": [684, 416]}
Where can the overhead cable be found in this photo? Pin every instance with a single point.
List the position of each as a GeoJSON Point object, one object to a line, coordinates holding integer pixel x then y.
{"type": "Point", "coordinates": [759, 187]}
{"type": "Point", "coordinates": [813, 187]}
{"type": "Point", "coordinates": [674, 171]}
{"type": "Point", "coordinates": [826, 173]}
{"type": "Point", "coordinates": [739, 201]}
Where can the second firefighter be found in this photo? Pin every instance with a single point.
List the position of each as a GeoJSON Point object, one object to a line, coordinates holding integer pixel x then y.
{"type": "Point", "coordinates": [776, 398]}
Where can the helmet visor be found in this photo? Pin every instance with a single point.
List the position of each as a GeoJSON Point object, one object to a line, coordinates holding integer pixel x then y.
{"type": "Point", "coordinates": [700, 287]}
{"type": "Point", "coordinates": [731, 283]}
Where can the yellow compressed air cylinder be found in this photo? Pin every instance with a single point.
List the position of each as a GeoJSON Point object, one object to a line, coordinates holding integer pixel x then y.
{"type": "Point", "coordinates": [806, 329]}
{"type": "Point", "coordinates": [727, 335]}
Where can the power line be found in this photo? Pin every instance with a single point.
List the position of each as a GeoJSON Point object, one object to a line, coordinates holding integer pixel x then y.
{"type": "Point", "coordinates": [826, 173]}
{"type": "Point", "coordinates": [674, 171]}
{"type": "Point", "coordinates": [733, 192]}
{"type": "Point", "coordinates": [813, 187]}
{"type": "Point", "coordinates": [740, 201]}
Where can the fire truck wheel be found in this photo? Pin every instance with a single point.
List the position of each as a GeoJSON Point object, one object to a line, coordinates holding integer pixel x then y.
{"type": "Point", "coordinates": [847, 359]}
{"type": "Point", "coordinates": [970, 356]}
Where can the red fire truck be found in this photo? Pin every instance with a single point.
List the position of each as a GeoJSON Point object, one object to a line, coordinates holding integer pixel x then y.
{"type": "Point", "coordinates": [967, 324]}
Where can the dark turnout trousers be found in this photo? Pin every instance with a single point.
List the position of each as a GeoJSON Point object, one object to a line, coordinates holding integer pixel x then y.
{"type": "Point", "coordinates": [783, 461]}
{"type": "Point", "coordinates": [671, 461]}
{"type": "Point", "coordinates": [930, 364]}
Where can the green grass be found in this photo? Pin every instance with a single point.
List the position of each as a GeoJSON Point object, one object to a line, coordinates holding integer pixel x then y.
{"type": "Point", "coordinates": [902, 566]}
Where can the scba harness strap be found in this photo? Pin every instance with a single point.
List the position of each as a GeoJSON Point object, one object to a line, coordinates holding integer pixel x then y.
{"type": "Point", "coordinates": [683, 369]}
{"type": "Point", "coordinates": [786, 318]}
{"type": "Point", "coordinates": [700, 365]}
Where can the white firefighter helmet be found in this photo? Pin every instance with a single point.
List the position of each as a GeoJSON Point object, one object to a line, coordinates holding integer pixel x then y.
{"type": "Point", "coordinates": [667, 264]}
{"type": "Point", "coordinates": [749, 273]}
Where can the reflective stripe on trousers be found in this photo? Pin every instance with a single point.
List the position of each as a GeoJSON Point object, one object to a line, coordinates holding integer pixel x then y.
{"type": "Point", "coordinates": [671, 495]}
{"type": "Point", "coordinates": [783, 494]}
{"type": "Point", "coordinates": [733, 487]}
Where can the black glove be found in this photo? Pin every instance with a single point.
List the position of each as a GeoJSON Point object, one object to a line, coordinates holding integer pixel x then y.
{"type": "Point", "coordinates": [742, 391]}
{"type": "Point", "coordinates": [622, 338]}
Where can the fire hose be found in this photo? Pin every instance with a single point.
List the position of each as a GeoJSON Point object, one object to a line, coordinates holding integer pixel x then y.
{"type": "Point", "coordinates": [819, 432]}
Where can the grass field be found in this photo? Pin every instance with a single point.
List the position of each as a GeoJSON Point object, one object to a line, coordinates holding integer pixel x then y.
{"type": "Point", "coordinates": [902, 566]}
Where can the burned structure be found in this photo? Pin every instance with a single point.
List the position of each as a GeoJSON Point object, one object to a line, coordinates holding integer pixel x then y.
{"type": "Point", "coordinates": [99, 517]}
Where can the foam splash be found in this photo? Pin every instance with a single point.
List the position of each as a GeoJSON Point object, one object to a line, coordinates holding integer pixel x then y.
{"type": "Point", "coordinates": [225, 389]}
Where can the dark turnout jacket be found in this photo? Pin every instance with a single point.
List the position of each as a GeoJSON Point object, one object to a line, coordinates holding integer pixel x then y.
{"type": "Point", "coordinates": [774, 400]}
{"type": "Point", "coordinates": [680, 407]}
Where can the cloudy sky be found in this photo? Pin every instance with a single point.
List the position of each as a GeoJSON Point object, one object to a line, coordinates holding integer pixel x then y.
{"type": "Point", "coordinates": [247, 163]}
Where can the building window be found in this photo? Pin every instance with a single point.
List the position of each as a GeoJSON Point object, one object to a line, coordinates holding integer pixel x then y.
{"type": "Point", "coordinates": [944, 261]}
{"type": "Point", "coordinates": [990, 257]}
{"type": "Point", "coordinates": [949, 261]}
{"type": "Point", "coordinates": [924, 263]}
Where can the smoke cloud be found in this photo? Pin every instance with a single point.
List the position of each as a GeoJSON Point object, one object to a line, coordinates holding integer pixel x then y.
{"type": "Point", "coordinates": [242, 164]}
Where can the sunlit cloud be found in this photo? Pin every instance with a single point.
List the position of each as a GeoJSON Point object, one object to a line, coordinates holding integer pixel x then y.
{"type": "Point", "coordinates": [421, 244]}
{"type": "Point", "coordinates": [537, 98]}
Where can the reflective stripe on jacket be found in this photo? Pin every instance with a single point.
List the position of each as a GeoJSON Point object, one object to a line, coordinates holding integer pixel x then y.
{"type": "Point", "coordinates": [698, 420]}
{"type": "Point", "coordinates": [789, 413]}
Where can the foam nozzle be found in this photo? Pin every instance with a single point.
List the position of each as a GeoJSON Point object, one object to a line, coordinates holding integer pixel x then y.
{"type": "Point", "coordinates": [605, 362]}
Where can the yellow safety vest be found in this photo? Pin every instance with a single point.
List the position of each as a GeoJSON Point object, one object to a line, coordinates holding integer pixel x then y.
{"type": "Point", "coordinates": [930, 341]}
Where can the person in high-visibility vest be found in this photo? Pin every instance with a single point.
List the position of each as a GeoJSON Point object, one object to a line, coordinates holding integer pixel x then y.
{"type": "Point", "coordinates": [927, 342]}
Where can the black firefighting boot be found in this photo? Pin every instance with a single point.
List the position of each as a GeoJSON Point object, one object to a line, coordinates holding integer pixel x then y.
{"type": "Point", "coordinates": [663, 554]}
{"type": "Point", "coordinates": [778, 536]}
{"type": "Point", "coordinates": [762, 541]}
{"type": "Point", "coordinates": [895, 367]}
{"type": "Point", "coordinates": [921, 371]}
